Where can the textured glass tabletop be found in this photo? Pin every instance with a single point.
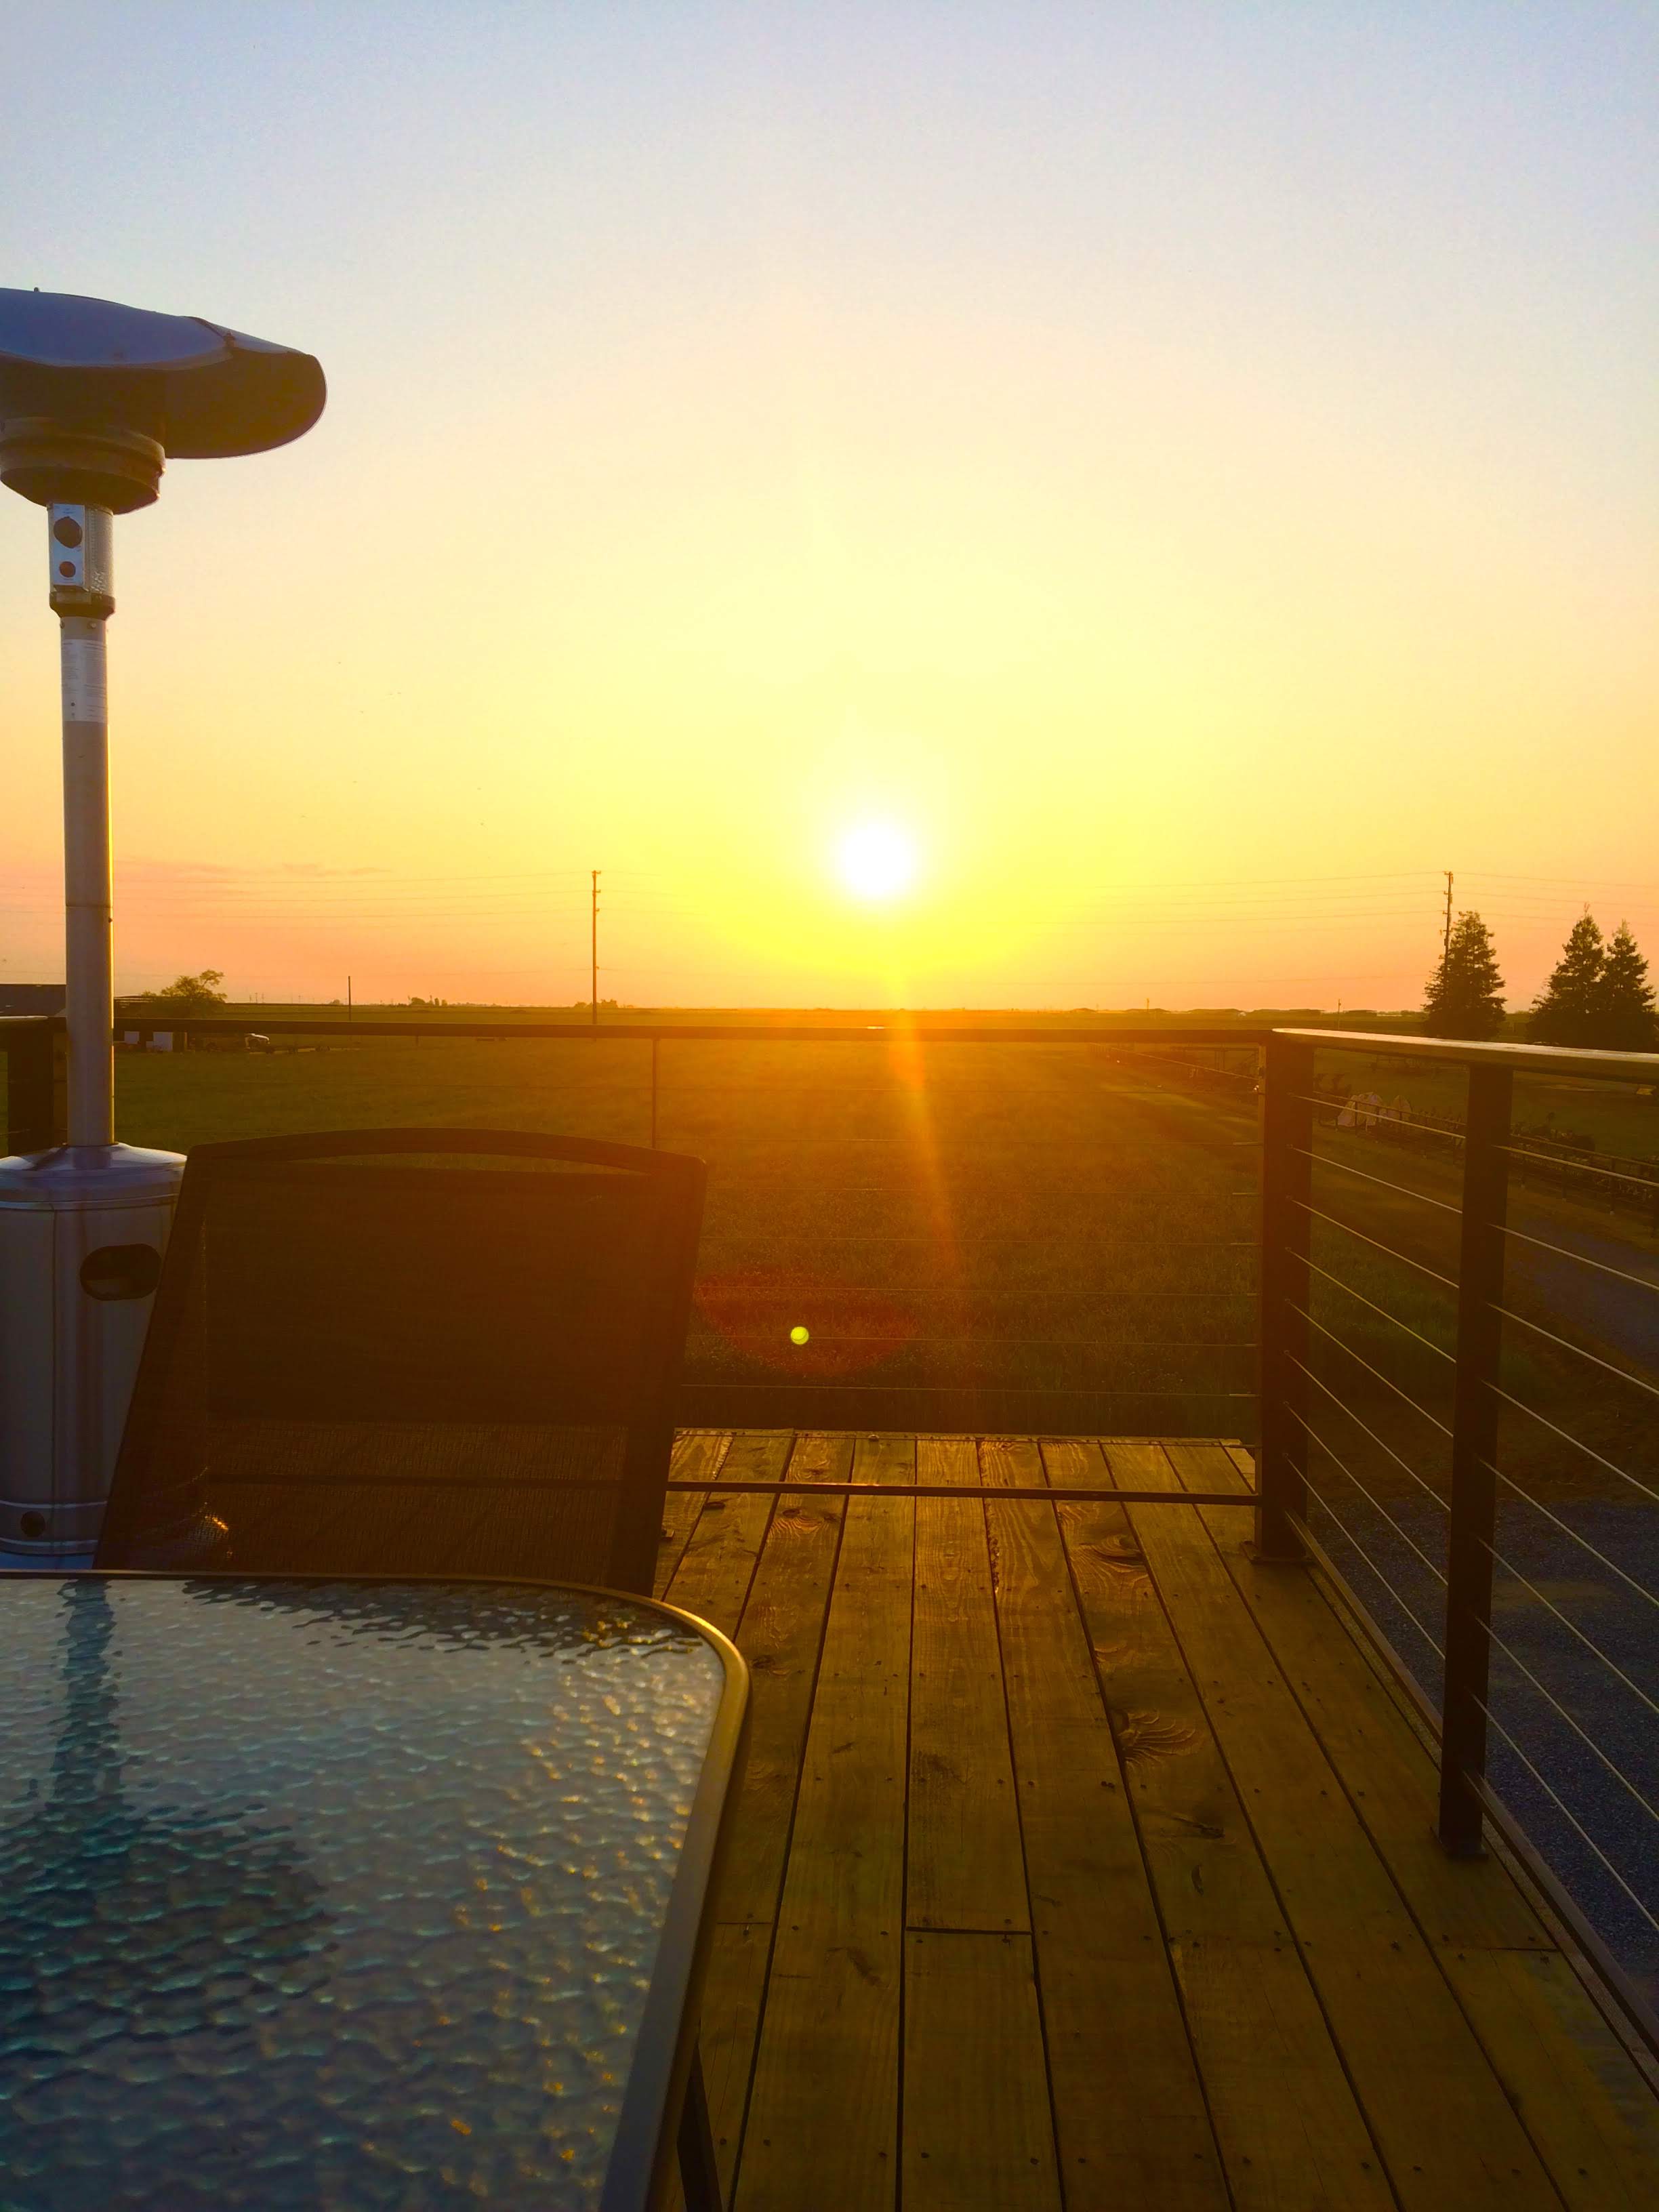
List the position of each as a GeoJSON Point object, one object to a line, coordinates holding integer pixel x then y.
{"type": "Point", "coordinates": [331, 1895]}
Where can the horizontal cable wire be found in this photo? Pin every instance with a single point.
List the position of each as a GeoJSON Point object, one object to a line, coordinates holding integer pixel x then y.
{"type": "Point", "coordinates": [1433, 1273]}
{"type": "Point", "coordinates": [1016, 1237]}
{"type": "Point", "coordinates": [1427, 1129]}
{"type": "Point", "coordinates": [1581, 1167]}
{"type": "Point", "coordinates": [1403, 1465]}
{"type": "Point", "coordinates": [1326, 1505]}
{"type": "Point", "coordinates": [1549, 1695]}
{"type": "Point", "coordinates": [1538, 1329]}
{"type": "Point", "coordinates": [1577, 1443]}
{"type": "Point", "coordinates": [1401, 1189]}
{"type": "Point", "coordinates": [988, 1343]}
{"type": "Point", "coordinates": [1439, 1351]}
{"type": "Point", "coordinates": [1567, 1622]}
{"type": "Point", "coordinates": [791, 1293]}
{"type": "Point", "coordinates": [906, 1183]}
{"type": "Point", "coordinates": [1375, 1503]}
{"type": "Point", "coordinates": [1565, 1252]}
{"type": "Point", "coordinates": [1147, 1057]}
{"type": "Point", "coordinates": [1562, 1807]}
{"type": "Point", "coordinates": [1037, 1243]}
{"type": "Point", "coordinates": [1583, 1543]}
{"type": "Point", "coordinates": [1404, 1396]}
{"type": "Point", "coordinates": [955, 1285]}
{"type": "Point", "coordinates": [986, 1389]}
{"type": "Point", "coordinates": [954, 1492]}
{"type": "Point", "coordinates": [1376, 1118]}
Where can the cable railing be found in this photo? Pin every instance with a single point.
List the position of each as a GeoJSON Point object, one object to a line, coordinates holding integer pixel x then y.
{"type": "Point", "coordinates": [1609, 1181]}
{"type": "Point", "coordinates": [1483, 1493]}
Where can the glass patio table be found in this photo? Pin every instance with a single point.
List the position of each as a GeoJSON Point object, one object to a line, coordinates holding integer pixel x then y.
{"type": "Point", "coordinates": [344, 1894]}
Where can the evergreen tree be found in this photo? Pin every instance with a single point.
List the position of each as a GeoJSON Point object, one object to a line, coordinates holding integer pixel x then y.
{"type": "Point", "coordinates": [1567, 1010]}
{"type": "Point", "coordinates": [1623, 997]}
{"type": "Point", "coordinates": [1465, 994]}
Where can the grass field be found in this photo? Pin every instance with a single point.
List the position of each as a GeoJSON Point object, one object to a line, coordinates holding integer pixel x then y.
{"type": "Point", "coordinates": [973, 1236]}
{"type": "Point", "coordinates": [1022, 1237]}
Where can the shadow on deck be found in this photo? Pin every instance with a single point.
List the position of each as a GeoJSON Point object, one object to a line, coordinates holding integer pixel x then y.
{"type": "Point", "coordinates": [1080, 1862]}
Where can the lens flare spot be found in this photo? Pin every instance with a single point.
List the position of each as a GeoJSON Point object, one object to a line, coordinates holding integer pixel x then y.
{"type": "Point", "coordinates": [800, 1335]}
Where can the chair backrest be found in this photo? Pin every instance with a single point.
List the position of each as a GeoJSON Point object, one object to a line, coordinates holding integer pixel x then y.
{"type": "Point", "coordinates": [412, 1351]}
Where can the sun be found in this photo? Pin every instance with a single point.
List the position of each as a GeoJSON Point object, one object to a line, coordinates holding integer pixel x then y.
{"type": "Point", "coordinates": [876, 860]}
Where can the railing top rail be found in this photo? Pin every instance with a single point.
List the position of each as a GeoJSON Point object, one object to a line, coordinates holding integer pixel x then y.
{"type": "Point", "coordinates": [31, 1021]}
{"type": "Point", "coordinates": [1522, 1059]}
{"type": "Point", "coordinates": [331, 1022]}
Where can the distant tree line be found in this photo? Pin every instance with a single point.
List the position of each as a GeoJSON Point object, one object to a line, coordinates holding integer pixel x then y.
{"type": "Point", "coordinates": [1598, 994]}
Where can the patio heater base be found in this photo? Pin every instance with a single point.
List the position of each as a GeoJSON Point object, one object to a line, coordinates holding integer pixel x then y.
{"type": "Point", "coordinates": [82, 1232]}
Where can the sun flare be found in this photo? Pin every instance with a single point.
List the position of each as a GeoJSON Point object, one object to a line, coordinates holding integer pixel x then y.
{"type": "Point", "coordinates": [876, 861]}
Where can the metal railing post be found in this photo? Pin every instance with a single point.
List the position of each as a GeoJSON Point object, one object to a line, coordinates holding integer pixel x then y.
{"type": "Point", "coordinates": [37, 1085]}
{"type": "Point", "coordinates": [1473, 1525]}
{"type": "Point", "coordinates": [655, 1043]}
{"type": "Point", "coordinates": [1286, 1189]}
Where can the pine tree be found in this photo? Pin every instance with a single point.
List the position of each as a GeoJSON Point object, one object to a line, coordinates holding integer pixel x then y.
{"type": "Point", "coordinates": [1623, 997]}
{"type": "Point", "coordinates": [1465, 994]}
{"type": "Point", "coordinates": [1565, 1012]}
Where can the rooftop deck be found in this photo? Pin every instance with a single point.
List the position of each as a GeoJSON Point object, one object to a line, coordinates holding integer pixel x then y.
{"type": "Point", "coordinates": [1081, 1862]}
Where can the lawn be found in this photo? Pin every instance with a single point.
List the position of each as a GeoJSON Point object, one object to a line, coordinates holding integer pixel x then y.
{"type": "Point", "coordinates": [973, 1236]}
{"type": "Point", "coordinates": [1027, 1238]}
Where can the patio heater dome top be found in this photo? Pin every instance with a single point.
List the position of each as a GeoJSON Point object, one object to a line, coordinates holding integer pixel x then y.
{"type": "Point", "coordinates": [95, 396]}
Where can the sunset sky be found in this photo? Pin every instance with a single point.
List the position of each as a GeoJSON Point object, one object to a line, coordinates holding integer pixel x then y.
{"type": "Point", "coordinates": [1166, 481]}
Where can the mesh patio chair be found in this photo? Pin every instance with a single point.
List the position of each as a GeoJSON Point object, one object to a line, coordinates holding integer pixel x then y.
{"type": "Point", "coordinates": [385, 1351]}
{"type": "Point", "coordinates": [412, 1351]}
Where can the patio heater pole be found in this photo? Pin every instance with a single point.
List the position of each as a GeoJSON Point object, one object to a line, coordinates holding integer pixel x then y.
{"type": "Point", "coordinates": [94, 398]}
{"type": "Point", "coordinates": [79, 542]}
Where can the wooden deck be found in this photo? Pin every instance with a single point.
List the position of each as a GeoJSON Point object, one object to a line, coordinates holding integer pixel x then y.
{"type": "Point", "coordinates": [1081, 1863]}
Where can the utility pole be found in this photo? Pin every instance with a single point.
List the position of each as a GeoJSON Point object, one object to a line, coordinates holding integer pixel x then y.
{"type": "Point", "coordinates": [594, 1000]}
{"type": "Point", "coordinates": [348, 998]}
{"type": "Point", "coordinates": [1445, 949]}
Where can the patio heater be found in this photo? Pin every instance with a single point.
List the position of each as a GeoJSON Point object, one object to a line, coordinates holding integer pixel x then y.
{"type": "Point", "coordinates": [94, 397]}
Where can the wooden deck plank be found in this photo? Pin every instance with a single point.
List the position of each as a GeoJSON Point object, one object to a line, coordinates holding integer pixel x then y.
{"type": "Point", "coordinates": [1434, 2105]}
{"type": "Point", "coordinates": [823, 2121]}
{"type": "Point", "coordinates": [717, 1563]}
{"type": "Point", "coordinates": [696, 1452]}
{"type": "Point", "coordinates": [965, 1868]}
{"type": "Point", "coordinates": [1130, 2114]}
{"type": "Point", "coordinates": [1290, 2131]}
{"type": "Point", "coordinates": [713, 1576]}
{"type": "Point", "coordinates": [782, 1636]}
{"type": "Point", "coordinates": [978, 2129]}
{"type": "Point", "coordinates": [837, 2115]}
{"type": "Point", "coordinates": [1579, 2094]}
{"type": "Point", "coordinates": [732, 1997]}
{"type": "Point", "coordinates": [1459, 1900]}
